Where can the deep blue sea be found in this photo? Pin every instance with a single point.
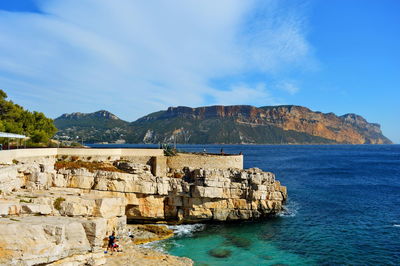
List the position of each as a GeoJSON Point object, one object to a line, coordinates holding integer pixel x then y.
{"type": "Point", "coordinates": [343, 209]}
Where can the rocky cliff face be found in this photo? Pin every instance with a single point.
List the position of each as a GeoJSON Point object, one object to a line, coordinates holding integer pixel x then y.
{"type": "Point", "coordinates": [63, 215]}
{"type": "Point", "coordinates": [224, 124]}
{"type": "Point", "coordinates": [249, 124]}
{"type": "Point", "coordinates": [196, 195]}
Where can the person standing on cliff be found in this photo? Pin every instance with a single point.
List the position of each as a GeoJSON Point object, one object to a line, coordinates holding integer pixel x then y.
{"type": "Point", "coordinates": [111, 240]}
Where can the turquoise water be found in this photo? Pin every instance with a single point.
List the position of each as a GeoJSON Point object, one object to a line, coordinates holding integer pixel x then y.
{"type": "Point", "coordinates": [343, 209]}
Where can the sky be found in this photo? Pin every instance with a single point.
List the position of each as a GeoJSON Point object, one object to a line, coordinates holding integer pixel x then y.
{"type": "Point", "coordinates": [134, 57]}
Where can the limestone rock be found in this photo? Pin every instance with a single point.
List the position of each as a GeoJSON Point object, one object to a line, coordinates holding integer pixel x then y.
{"type": "Point", "coordinates": [30, 208]}
{"type": "Point", "coordinates": [200, 195]}
{"type": "Point", "coordinates": [37, 240]}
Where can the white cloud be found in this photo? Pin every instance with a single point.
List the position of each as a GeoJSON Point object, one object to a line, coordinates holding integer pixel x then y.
{"type": "Point", "coordinates": [135, 57]}
{"type": "Point", "coordinates": [245, 94]}
{"type": "Point", "coordinates": [289, 87]}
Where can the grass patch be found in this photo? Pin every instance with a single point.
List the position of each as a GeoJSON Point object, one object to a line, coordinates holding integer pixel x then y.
{"type": "Point", "coordinates": [57, 203]}
{"type": "Point", "coordinates": [29, 197]}
{"type": "Point", "coordinates": [91, 166]}
{"type": "Point", "coordinates": [15, 220]}
{"type": "Point", "coordinates": [25, 201]}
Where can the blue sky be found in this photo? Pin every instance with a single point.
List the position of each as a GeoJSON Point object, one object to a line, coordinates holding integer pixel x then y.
{"type": "Point", "coordinates": [137, 57]}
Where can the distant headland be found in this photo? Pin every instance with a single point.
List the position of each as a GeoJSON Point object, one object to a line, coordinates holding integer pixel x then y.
{"type": "Point", "coordinates": [236, 124]}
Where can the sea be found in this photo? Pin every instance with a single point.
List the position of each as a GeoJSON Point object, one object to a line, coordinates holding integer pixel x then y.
{"type": "Point", "coordinates": [343, 209]}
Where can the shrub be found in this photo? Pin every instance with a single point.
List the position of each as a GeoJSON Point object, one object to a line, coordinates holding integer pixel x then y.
{"type": "Point", "coordinates": [169, 151]}
{"type": "Point", "coordinates": [57, 203]}
{"type": "Point", "coordinates": [90, 166]}
{"type": "Point", "coordinates": [76, 144]}
{"type": "Point", "coordinates": [15, 161]}
{"type": "Point", "coordinates": [40, 136]}
{"type": "Point", "coordinates": [25, 201]}
{"type": "Point", "coordinates": [74, 158]}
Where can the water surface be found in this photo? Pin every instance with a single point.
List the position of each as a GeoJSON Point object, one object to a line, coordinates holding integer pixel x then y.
{"type": "Point", "coordinates": [343, 209]}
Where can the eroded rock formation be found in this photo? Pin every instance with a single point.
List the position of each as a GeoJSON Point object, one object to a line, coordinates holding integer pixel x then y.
{"type": "Point", "coordinates": [64, 214]}
{"type": "Point", "coordinates": [197, 195]}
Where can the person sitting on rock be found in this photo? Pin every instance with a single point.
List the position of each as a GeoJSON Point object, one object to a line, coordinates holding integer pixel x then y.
{"type": "Point", "coordinates": [116, 247]}
{"type": "Point", "coordinates": [111, 240]}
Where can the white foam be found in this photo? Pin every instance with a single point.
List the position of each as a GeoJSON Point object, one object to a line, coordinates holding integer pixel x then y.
{"type": "Point", "coordinates": [179, 231]}
{"type": "Point", "coordinates": [290, 209]}
{"type": "Point", "coordinates": [155, 245]}
{"type": "Point", "coordinates": [396, 225]}
{"type": "Point", "coordinates": [186, 229]}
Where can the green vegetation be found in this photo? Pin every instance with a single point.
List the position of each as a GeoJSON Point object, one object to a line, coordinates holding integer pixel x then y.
{"type": "Point", "coordinates": [101, 126]}
{"type": "Point", "coordinates": [169, 150]}
{"type": "Point", "coordinates": [27, 196]}
{"type": "Point", "coordinates": [15, 119]}
{"type": "Point", "coordinates": [57, 203]}
{"type": "Point", "coordinates": [90, 166]}
{"type": "Point", "coordinates": [25, 201]}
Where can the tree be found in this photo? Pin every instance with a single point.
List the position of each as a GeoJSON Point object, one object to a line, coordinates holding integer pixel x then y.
{"type": "Point", "coordinates": [15, 119]}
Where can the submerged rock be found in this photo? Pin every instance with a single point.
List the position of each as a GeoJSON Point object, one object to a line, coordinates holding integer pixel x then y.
{"type": "Point", "coordinates": [239, 242]}
{"type": "Point", "coordinates": [265, 257]}
{"type": "Point", "coordinates": [220, 252]}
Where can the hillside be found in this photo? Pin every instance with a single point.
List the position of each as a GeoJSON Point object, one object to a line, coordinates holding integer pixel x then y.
{"type": "Point", "coordinates": [232, 125]}
{"type": "Point", "coordinates": [93, 127]}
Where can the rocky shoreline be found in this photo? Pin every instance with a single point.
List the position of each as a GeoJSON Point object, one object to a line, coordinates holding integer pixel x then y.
{"type": "Point", "coordinates": [60, 209]}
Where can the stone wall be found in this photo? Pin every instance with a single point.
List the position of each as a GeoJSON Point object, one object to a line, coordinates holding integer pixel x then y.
{"type": "Point", "coordinates": [205, 161]}
{"type": "Point", "coordinates": [154, 157]}
{"type": "Point", "coordinates": [7, 156]}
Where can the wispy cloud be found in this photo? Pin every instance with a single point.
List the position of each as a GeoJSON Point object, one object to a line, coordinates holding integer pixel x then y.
{"type": "Point", "coordinates": [257, 94]}
{"type": "Point", "coordinates": [134, 57]}
{"type": "Point", "coordinates": [288, 86]}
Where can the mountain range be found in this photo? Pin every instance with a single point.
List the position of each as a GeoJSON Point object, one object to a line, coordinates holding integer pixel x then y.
{"type": "Point", "coordinates": [237, 124]}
